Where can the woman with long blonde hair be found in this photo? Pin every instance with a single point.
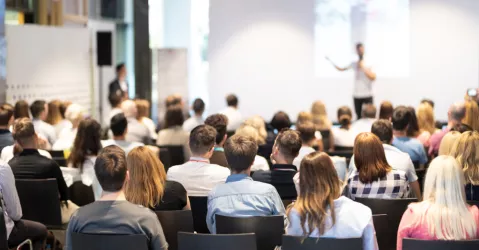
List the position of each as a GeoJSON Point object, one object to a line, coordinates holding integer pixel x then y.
{"type": "Point", "coordinates": [466, 152]}
{"type": "Point", "coordinates": [320, 116]}
{"type": "Point", "coordinates": [447, 142]}
{"type": "Point", "coordinates": [148, 186]}
{"type": "Point", "coordinates": [258, 123]}
{"type": "Point", "coordinates": [143, 116]}
{"type": "Point", "coordinates": [444, 213]}
{"type": "Point", "coordinates": [472, 115]}
{"type": "Point", "coordinates": [321, 211]}
{"type": "Point", "coordinates": [426, 122]}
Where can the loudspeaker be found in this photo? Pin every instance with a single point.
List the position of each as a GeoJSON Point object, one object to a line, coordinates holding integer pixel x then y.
{"type": "Point", "coordinates": [103, 48]}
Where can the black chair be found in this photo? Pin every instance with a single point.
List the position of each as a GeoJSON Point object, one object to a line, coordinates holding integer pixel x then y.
{"type": "Point", "coordinates": [191, 241]}
{"type": "Point", "coordinates": [415, 244]}
{"type": "Point", "coordinates": [421, 174]}
{"type": "Point", "coordinates": [59, 157]}
{"type": "Point", "coordinates": [199, 208]}
{"type": "Point", "coordinates": [268, 229]}
{"type": "Point", "coordinates": [81, 194]}
{"type": "Point", "coordinates": [348, 154]}
{"type": "Point", "coordinates": [299, 243]}
{"type": "Point", "coordinates": [173, 222]}
{"type": "Point", "coordinates": [473, 203]}
{"type": "Point", "coordinates": [416, 164]}
{"type": "Point", "coordinates": [340, 148]}
{"type": "Point", "coordinates": [39, 201]}
{"type": "Point", "coordinates": [109, 242]}
{"type": "Point", "coordinates": [326, 134]}
{"type": "Point", "coordinates": [381, 227]}
{"type": "Point", "coordinates": [165, 158]}
{"type": "Point", "coordinates": [287, 202]}
{"type": "Point", "coordinates": [177, 155]}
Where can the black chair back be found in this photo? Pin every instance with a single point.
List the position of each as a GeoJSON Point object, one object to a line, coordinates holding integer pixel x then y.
{"type": "Point", "coordinates": [39, 200]}
{"type": "Point", "coordinates": [165, 158]}
{"type": "Point", "coordinates": [326, 134]}
{"type": "Point", "coordinates": [177, 155]}
{"type": "Point", "coordinates": [3, 227]}
{"type": "Point", "coordinates": [109, 242]}
{"type": "Point", "coordinates": [81, 194]}
{"type": "Point", "coordinates": [473, 203]}
{"type": "Point", "coordinates": [297, 243]}
{"type": "Point", "coordinates": [191, 241]}
{"type": "Point", "coordinates": [199, 208]}
{"type": "Point", "coordinates": [341, 148]}
{"type": "Point", "coordinates": [383, 237]}
{"type": "Point", "coordinates": [173, 222]}
{"type": "Point", "coordinates": [415, 244]}
{"type": "Point", "coordinates": [59, 157]}
{"type": "Point", "coordinates": [421, 174]}
{"type": "Point", "coordinates": [287, 202]}
{"type": "Point", "coordinates": [348, 154]}
{"type": "Point", "coordinates": [268, 229]}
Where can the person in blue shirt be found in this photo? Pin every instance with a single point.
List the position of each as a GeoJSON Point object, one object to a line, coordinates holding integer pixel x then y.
{"type": "Point", "coordinates": [240, 196]}
{"type": "Point", "coordinates": [401, 119]}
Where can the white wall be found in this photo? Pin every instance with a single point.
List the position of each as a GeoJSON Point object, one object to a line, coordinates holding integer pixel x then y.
{"type": "Point", "coordinates": [262, 50]}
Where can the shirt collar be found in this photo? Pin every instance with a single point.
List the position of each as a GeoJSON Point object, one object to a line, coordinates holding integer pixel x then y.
{"type": "Point", "coordinates": [284, 167]}
{"type": "Point", "coordinates": [220, 149]}
{"type": "Point", "coordinates": [29, 151]}
{"type": "Point", "coordinates": [199, 159]}
{"type": "Point", "coordinates": [237, 177]}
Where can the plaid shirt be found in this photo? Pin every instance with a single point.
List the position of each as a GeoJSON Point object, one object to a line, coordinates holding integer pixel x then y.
{"type": "Point", "coordinates": [393, 185]}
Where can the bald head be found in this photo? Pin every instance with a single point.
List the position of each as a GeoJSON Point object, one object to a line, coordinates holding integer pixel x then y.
{"type": "Point", "coordinates": [129, 109]}
{"type": "Point", "coordinates": [457, 111]}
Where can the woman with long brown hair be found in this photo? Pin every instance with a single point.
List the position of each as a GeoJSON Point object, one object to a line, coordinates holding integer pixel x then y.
{"type": "Point", "coordinates": [374, 177]}
{"type": "Point", "coordinates": [321, 211]}
{"type": "Point", "coordinates": [56, 118]}
{"type": "Point", "coordinates": [21, 110]}
{"type": "Point", "coordinates": [426, 122]}
{"type": "Point", "coordinates": [148, 186]}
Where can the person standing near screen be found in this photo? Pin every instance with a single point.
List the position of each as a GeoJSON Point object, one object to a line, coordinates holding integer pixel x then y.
{"type": "Point", "coordinates": [363, 80]}
{"type": "Point", "coordinates": [119, 85]}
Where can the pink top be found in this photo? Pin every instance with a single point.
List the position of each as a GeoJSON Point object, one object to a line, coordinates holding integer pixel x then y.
{"type": "Point", "coordinates": [420, 231]}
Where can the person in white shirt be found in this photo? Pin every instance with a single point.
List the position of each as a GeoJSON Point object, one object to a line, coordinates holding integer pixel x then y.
{"type": "Point", "coordinates": [235, 119]}
{"type": "Point", "coordinates": [363, 80]}
{"type": "Point", "coordinates": [119, 128]}
{"type": "Point", "coordinates": [115, 103]}
{"type": "Point", "coordinates": [198, 175]}
{"type": "Point", "coordinates": [366, 122]}
{"type": "Point", "coordinates": [74, 114]}
{"type": "Point", "coordinates": [137, 132]}
{"type": "Point", "coordinates": [197, 119]}
{"type": "Point", "coordinates": [39, 110]}
{"type": "Point", "coordinates": [344, 136]}
{"type": "Point", "coordinates": [143, 116]}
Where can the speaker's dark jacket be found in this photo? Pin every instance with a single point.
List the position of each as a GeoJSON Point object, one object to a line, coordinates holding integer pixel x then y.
{"type": "Point", "coordinates": [115, 88]}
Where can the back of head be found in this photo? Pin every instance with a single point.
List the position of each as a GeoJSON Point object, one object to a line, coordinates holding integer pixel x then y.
{"type": "Point", "coordinates": [383, 129]}
{"type": "Point", "coordinates": [174, 117]}
{"type": "Point", "coordinates": [24, 132]}
{"type": "Point", "coordinates": [457, 111]}
{"type": "Point", "coordinates": [202, 139]}
{"type": "Point", "coordinates": [280, 121]}
{"type": "Point", "coordinates": [319, 186]}
{"type": "Point", "coordinates": [386, 110]}
{"type": "Point", "coordinates": [37, 108]}
{"type": "Point", "coordinates": [115, 100]}
{"type": "Point", "coordinates": [54, 114]}
{"type": "Point", "coordinates": [198, 106]}
{"type": "Point", "coordinates": [448, 216]}
{"type": "Point", "coordinates": [21, 110]}
{"type": "Point", "coordinates": [110, 168]}
{"type": "Point", "coordinates": [471, 117]}
{"type": "Point", "coordinates": [425, 118]}
{"type": "Point", "coordinates": [87, 142]}
{"type": "Point", "coordinates": [448, 142]}
{"type": "Point", "coordinates": [129, 109]}
{"type": "Point", "coordinates": [147, 178]}
{"type": "Point", "coordinates": [466, 152]}
{"type": "Point", "coordinates": [249, 131]}
{"type": "Point", "coordinates": [320, 116]}
{"type": "Point", "coordinates": [344, 116]}
{"type": "Point", "coordinates": [428, 101]}
{"type": "Point", "coordinates": [288, 143]}
{"type": "Point", "coordinates": [74, 113]}
{"type": "Point", "coordinates": [258, 123]}
{"type": "Point", "coordinates": [119, 68]}
{"type": "Point", "coordinates": [219, 122]}
{"type": "Point", "coordinates": [63, 108]}
{"type": "Point", "coordinates": [401, 118]}
{"type": "Point", "coordinates": [232, 100]}
{"type": "Point", "coordinates": [304, 117]}
{"type": "Point", "coordinates": [118, 124]}
{"type": "Point", "coordinates": [173, 100]}
{"type": "Point", "coordinates": [369, 158]}
{"type": "Point", "coordinates": [143, 108]}
{"type": "Point", "coordinates": [6, 114]}
{"type": "Point", "coordinates": [413, 128]}
{"type": "Point", "coordinates": [307, 132]}
{"type": "Point", "coordinates": [240, 152]}
{"type": "Point", "coordinates": [368, 111]}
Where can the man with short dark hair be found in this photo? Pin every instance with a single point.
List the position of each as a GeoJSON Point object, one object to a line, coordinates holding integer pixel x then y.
{"type": "Point", "coordinates": [198, 175]}
{"type": "Point", "coordinates": [241, 196]}
{"type": "Point", "coordinates": [455, 114]}
{"type": "Point", "coordinates": [113, 214]}
{"type": "Point", "coordinates": [286, 148]}
{"type": "Point", "coordinates": [6, 120]}
{"type": "Point", "coordinates": [119, 86]}
{"type": "Point", "coordinates": [367, 119]}
{"type": "Point", "coordinates": [115, 102]}
{"type": "Point", "coordinates": [219, 122]}
{"type": "Point", "coordinates": [39, 110]}
{"type": "Point", "coordinates": [401, 119]}
{"type": "Point", "coordinates": [198, 108]}
{"type": "Point", "coordinates": [234, 116]}
{"type": "Point", "coordinates": [119, 128]}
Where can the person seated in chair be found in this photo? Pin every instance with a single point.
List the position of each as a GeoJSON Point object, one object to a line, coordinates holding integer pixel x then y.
{"type": "Point", "coordinates": [285, 149]}
{"type": "Point", "coordinates": [6, 120]}
{"type": "Point", "coordinates": [219, 122]}
{"type": "Point", "coordinates": [113, 214]}
{"type": "Point", "coordinates": [39, 110]}
{"type": "Point", "coordinates": [197, 119]}
{"type": "Point", "coordinates": [368, 116]}
{"type": "Point", "coordinates": [137, 132]}
{"type": "Point", "coordinates": [241, 196]}
{"type": "Point", "coordinates": [119, 128]}
{"type": "Point", "coordinates": [198, 175]}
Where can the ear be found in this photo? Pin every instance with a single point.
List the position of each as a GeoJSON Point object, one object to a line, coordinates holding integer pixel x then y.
{"type": "Point", "coordinates": [127, 176]}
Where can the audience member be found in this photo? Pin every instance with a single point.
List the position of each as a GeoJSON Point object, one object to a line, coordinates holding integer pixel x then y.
{"type": "Point", "coordinates": [401, 119]}
{"type": "Point", "coordinates": [447, 143]}
{"type": "Point", "coordinates": [219, 122]}
{"type": "Point", "coordinates": [29, 164]}
{"type": "Point", "coordinates": [119, 128]}
{"type": "Point", "coordinates": [426, 122]}
{"type": "Point", "coordinates": [396, 158]}
{"type": "Point", "coordinates": [55, 118]}
{"type": "Point", "coordinates": [197, 118]}
{"type": "Point", "coordinates": [466, 152]}
{"type": "Point", "coordinates": [17, 230]}
{"type": "Point", "coordinates": [113, 214]}
{"type": "Point", "coordinates": [428, 101]}
{"type": "Point", "coordinates": [235, 119]}
{"type": "Point", "coordinates": [471, 117]}
{"type": "Point", "coordinates": [259, 124]}
{"type": "Point", "coordinates": [413, 127]}
{"type": "Point", "coordinates": [240, 196]}
{"type": "Point", "coordinates": [374, 177]}
{"type": "Point", "coordinates": [143, 116]}
{"type": "Point", "coordinates": [39, 110]}
{"type": "Point", "coordinates": [147, 185]}
{"type": "Point", "coordinates": [115, 103]}
{"type": "Point", "coordinates": [444, 213]}
{"type": "Point", "coordinates": [321, 211]}
{"type": "Point", "coordinates": [386, 110]}
{"type": "Point", "coordinates": [198, 175]}
{"type": "Point", "coordinates": [306, 132]}
{"type": "Point", "coordinates": [461, 128]}
{"type": "Point", "coordinates": [173, 133]}
{"type": "Point", "coordinates": [368, 117]}
{"type": "Point", "coordinates": [285, 149]}
{"type": "Point", "coordinates": [137, 132]}
{"type": "Point", "coordinates": [21, 110]}
{"type": "Point", "coordinates": [455, 115]}
{"type": "Point", "coordinates": [303, 117]}
{"type": "Point", "coordinates": [320, 116]}
{"type": "Point", "coordinates": [260, 163]}
{"type": "Point", "coordinates": [344, 136]}
{"type": "Point", "coordinates": [280, 121]}
{"type": "Point", "coordinates": [74, 114]}
{"type": "Point", "coordinates": [6, 121]}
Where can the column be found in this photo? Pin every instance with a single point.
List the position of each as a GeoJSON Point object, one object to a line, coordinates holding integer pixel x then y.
{"type": "Point", "coordinates": [142, 51]}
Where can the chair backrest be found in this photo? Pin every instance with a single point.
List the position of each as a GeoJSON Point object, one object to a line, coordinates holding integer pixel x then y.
{"type": "Point", "coordinates": [81, 194]}
{"type": "Point", "coordinates": [59, 157]}
{"type": "Point", "coordinates": [108, 242]}
{"type": "Point", "coordinates": [199, 208]}
{"type": "Point", "coordinates": [268, 229]}
{"type": "Point", "coordinates": [287, 202]}
{"type": "Point", "coordinates": [177, 156]}
{"type": "Point", "coordinates": [382, 235]}
{"type": "Point", "coordinates": [341, 148]}
{"type": "Point", "coordinates": [191, 241]}
{"type": "Point", "coordinates": [3, 227]}
{"type": "Point", "coordinates": [421, 173]}
{"type": "Point", "coordinates": [415, 244]}
{"type": "Point", "coordinates": [173, 222]}
{"type": "Point", "coordinates": [299, 243]}
{"type": "Point", "coordinates": [165, 158]}
{"type": "Point", "coordinates": [473, 203]}
{"type": "Point", "coordinates": [326, 135]}
{"type": "Point", "coordinates": [39, 200]}
{"type": "Point", "coordinates": [346, 153]}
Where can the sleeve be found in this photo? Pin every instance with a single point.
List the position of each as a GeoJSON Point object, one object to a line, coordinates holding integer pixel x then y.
{"type": "Point", "coordinates": [293, 226]}
{"type": "Point", "coordinates": [62, 186]}
{"type": "Point", "coordinates": [9, 192]}
{"type": "Point", "coordinates": [404, 227]}
{"type": "Point", "coordinates": [210, 215]}
{"type": "Point", "coordinates": [70, 230]}
{"type": "Point", "coordinates": [411, 171]}
{"type": "Point", "coordinates": [369, 237]}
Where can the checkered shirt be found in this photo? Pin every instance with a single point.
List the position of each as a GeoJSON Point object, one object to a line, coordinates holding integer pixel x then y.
{"type": "Point", "coordinates": [392, 186]}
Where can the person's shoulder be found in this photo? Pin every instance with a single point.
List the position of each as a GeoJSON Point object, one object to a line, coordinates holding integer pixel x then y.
{"type": "Point", "coordinates": [264, 187]}
{"type": "Point", "coordinates": [219, 168]}
{"type": "Point", "coordinates": [402, 174]}
{"type": "Point", "coordinates": [347, 204]}
{"type": "Point", "coordinates": [176, 169]}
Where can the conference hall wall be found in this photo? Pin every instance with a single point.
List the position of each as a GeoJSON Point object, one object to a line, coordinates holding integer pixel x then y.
{"type": "Point", "coordinates": [265, 51]}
